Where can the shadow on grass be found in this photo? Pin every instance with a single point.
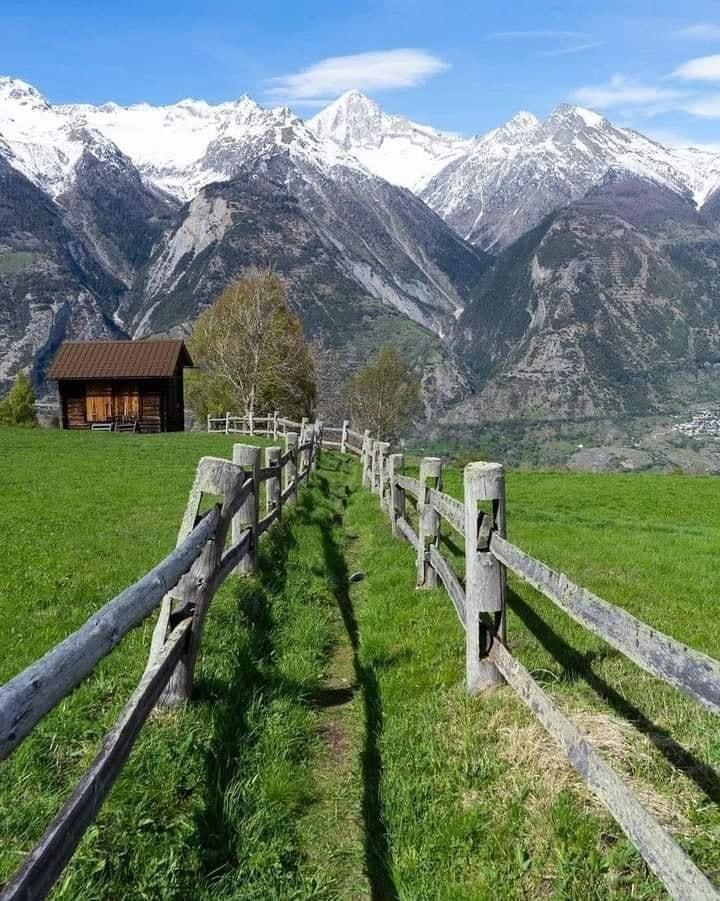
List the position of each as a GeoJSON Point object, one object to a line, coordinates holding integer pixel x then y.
{"type": "Point", "coordinates": [254, 678]}
{"type": "Point", "coordinates": [251, 678]}
{"type": "Point", "coordinates": [578, 664]}
{"type": "Point", "coordinates": [378, 854]}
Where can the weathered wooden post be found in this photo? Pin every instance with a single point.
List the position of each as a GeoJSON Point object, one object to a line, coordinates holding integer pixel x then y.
{"type": "Point", "coordinates": [484, 575]}
{"type": "Point", "coordinates": [366, 459]}
{"type": "Point", "coordinates": [396, 494]}
{"type": "Point", "coordinates": [382, 448]}
{"type": "Point", "coordinates": [276, 414]}
{"type": "Point", "coordinates": [208, 422]}
{"type": "Point", "coordinates": [272, 485]}
{"type": "Point", "coordinates": [428, 520]}
{"type": "Point", "coordinates": [227, 423]}
{"type": "Point", "coordinates": [317, 443]}
{"type": "Point", "coordinates": [251, 422]}
{"type": "Point", "coordinates": [344, 436]}
{"type": "Point", "coordinates": [248, 456]}
{"type": "Point", "coordinates": [291, 443]}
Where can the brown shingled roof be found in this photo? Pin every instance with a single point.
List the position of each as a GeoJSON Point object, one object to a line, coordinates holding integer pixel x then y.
{"type": "Point", "coordinates": [118, 359]}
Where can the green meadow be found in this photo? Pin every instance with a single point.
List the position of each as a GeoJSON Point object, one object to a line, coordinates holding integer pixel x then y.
{"type": "Point", "coordinates": [330, 750]}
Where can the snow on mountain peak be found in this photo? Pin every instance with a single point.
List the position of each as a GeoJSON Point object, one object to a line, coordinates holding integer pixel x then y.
{"type": "Point", "coordinates": [395, 148]}
{"type": "Point", "coordinates": [17, 91]}
{"type": "Point", "coordinates": [576, 117]}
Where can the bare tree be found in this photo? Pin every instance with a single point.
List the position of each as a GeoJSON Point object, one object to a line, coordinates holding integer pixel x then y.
{"type": "Point", "coordinates": [250, 351]}
{"type": "Point", "coordinates": [385, 395]}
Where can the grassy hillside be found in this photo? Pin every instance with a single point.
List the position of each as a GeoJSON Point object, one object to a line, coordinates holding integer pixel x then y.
{"type": "Point", "coordinates": [331, 751]}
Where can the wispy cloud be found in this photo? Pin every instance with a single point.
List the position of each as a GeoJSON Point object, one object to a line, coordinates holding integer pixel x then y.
{"type": "Point", "coordinates": [704, 68]}
{"type": "Point", "coordinates": [577, 48]}
{"type": "Point", "coordinates": [621, 91]}
{"type": "Point", "coordinates": [702, 31]}
{"type": "Point", "coordinates": [543, 33]}
{"type": "Point", "coordinates": [706, 107]}
{"type": "Point", "coordinates": [374, 70]}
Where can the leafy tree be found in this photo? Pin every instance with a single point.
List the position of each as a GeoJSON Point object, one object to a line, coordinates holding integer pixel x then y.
{"type": "Point", "coordinates": [385, 395]}
{"type": "Point", "coordinates": [250, 353]}
{"type": "Point", "coordinates": [18, 405]}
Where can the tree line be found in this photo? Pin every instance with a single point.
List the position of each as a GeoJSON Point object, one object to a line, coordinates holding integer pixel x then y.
{"type": "Point", "coordinates": [251, 356]}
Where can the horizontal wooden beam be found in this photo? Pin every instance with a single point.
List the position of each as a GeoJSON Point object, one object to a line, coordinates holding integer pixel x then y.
{"type": "Point", "coordinates": [288, 491]}
{"type": "Point", "coordinates": [405, 529]}
{"type": "Point", "coordinates": [451, 510]}
{"type": "Point", "coordinates": [30, 695]}
{"type": "Point", "coordinates": [408, 484]}
{"type": "Point", "coordinates": [46, 861]}
{"type": "Point", "coordinates": [270, 472]}
{"type": "Point", "coordinates": [664, 857]}
{"type": "Point", "coordinates": [690, 671]}
{"type": "Point", "coordinates": [232, 557]}
{"type": "Point", "coordinates": [268, 520]}
{"type": "Point", "coordinates": [450, 581]}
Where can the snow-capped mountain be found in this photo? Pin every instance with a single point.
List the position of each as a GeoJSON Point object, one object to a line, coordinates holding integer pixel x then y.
{"type": "Point", "coordinates": [43, 142]}
{"type": "Point", "coordinates": [512, 177]}
{"type": "Point", "coordinates": [351, 238]}
{"type": "Point", "coordinates": [393, 147]}
{"type": "Point", "coordinates": [190, 144]}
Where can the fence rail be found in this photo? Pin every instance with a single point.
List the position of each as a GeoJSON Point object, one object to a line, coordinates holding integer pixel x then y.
{"type": "Point", "coordinates": [479, 601]}
{"type": "Point", "coordinates": [183, 585]}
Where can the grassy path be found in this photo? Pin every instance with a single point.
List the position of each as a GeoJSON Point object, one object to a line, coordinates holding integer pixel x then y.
{"type": "Point", "coordinates": [331, 752]}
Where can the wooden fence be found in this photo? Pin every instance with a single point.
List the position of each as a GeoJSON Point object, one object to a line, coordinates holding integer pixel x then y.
{"type": "Point", "coordinates": [182, 585]}
{"type": "Point", "coordinates": [479, 601]}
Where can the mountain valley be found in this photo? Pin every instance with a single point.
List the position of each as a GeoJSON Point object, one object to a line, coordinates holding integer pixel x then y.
{"type": "Point", "coordinates": [559, 268]}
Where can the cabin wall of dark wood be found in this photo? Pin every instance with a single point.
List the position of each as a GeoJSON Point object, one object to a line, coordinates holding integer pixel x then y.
{"type": "Point", "coordinates": [72, 405]}
{"type": "Point", "coordinates": [161, 405]}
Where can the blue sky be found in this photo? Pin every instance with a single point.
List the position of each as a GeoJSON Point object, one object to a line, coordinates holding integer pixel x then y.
{"type": "Point", "coordinates": [461, 65]}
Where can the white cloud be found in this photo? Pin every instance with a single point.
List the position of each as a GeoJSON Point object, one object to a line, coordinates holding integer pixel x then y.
{"type": "Point", "coordinates": [704, 68]}
{"type": "Point", "coordinates": [374, 70]}
{"type": "Point", "coordinates": [706, 107]}
{"type": "Point", "coordinates": [703, 31]}
{"type": "Point", "coordinates": [622, 91]}
{"type": "Point", "coordinates": [563, 51]}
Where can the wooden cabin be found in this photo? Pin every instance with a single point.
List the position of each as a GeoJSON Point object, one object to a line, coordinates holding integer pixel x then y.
{"type": "Point", "coordinates": [128, 385]}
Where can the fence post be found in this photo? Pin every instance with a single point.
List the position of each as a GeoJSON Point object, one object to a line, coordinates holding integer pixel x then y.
{"type": "Point", "coordinates": [208, 422]}
{"type": "Point", "coordinates": [251, 424]}
{"type": "Point", "coordinates": [396, 496]}
{"type": "Point", "coordinates": [484, 575]}
{"type": "Point", "coordinates": [227, 423]}
{"type": "Point", "coordinates": [291, 443]}
{"type": "Point", "coordinates": [272, 485]}
{"type": "Point", "coordinates": [366, 461]}
{"type": "Point", "coordinates": [382, 448]}
{"type": "Point", "coordinates": [276, 414]}
{"type": "Point", "coordinates": [428, 520]}
{"type": "Point", "coordinates": [247, 455]}
{"type": "Point", "coordinates": [317, 442]}
{"type": "Point", "coordinates": [344, 436]}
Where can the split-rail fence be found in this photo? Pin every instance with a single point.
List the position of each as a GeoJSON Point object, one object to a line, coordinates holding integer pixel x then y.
{"type": "Point", "coordinates": [182, 586]}
{"type": "Point", "coordinates": [480, 603]}
{"type": "Point", "coordinates": [184, 583]}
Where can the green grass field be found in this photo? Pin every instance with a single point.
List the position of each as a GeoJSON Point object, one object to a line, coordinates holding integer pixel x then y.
{"type": "Point", "coordinates": [331, 751]}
